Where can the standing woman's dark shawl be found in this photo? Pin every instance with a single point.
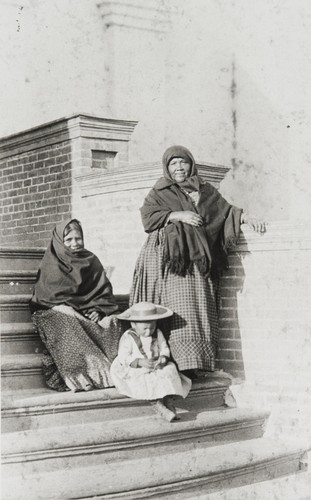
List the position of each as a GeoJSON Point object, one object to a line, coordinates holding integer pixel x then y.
{"type": "Point", "coordinates": [76, 279]}
{"type": "Point", "coordinates": [185, 245]}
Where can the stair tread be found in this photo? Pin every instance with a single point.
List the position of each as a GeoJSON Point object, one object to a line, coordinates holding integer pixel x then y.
{"type": "Point", "coordinates": [19, 272]}
{"type": "Point", "coordinates": [126, 430]}
{"type": "Point", "coordinates": [17, 297]}
{"type": "Point", "coordinates": [194, 464]}
{"type": "Point", "coordinates": [295, 486]}
{"type": "Point", "coordinates": [19, 361]}
{"type": "Point", "coordinates": [8, 328]}
{"type": "Point", "coordinates": [20, 399]}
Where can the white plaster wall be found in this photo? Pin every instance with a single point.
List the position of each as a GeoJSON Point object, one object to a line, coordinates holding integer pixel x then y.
{"type": "Point", "coordinates": [274, 318]}
{"type": "Point", "coordinates": [228, 79]}
{"type": "Point", "coordinates": [52, 63]}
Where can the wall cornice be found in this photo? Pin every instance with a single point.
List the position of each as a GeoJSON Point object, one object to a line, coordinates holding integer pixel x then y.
{"type": "Point", "coordinates": [280, 236]}
{"type": "Point", "coordinates": [148, 16]}
{"type": "Point", "coordinates": [69, 128]}
{"type": "Point", "coordinates": [142, 176]}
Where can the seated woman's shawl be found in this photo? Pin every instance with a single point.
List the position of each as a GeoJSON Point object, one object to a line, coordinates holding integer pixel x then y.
{"type": "Point", "coordinates": [75, 279]}
{"type": "Point", "coordinates": [206, 246]}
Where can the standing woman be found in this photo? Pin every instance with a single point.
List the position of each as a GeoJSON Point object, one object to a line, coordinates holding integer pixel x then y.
{"type": "Point", "coordinates": [73, 310]}
{"type": "Point", "coordinates": [190, 226]}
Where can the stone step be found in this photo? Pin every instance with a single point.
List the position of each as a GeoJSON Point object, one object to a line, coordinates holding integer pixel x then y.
{"type": "Point", "coordinates": [156, 472]}
{"type": "Point", "coordinates": [21, 371]}
{"type": "Point", "coordinates": [199, 424]}
{"type": "Point", "coordinates": [20, 338]}
{"type": "Point", "coordinates": [293, 487]}
{"type": "Point", "coordinates": [14, 308]}
{"type": "Point", "coordinates": [42, 408]}
{"type": "Point", "coordinates": [20, 258]}
{"type": "Point", "coordinates": [17, 282]}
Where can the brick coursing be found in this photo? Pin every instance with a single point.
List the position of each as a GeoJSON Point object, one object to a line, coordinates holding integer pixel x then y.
{"type": "Point", "coordinates": [36, 193]}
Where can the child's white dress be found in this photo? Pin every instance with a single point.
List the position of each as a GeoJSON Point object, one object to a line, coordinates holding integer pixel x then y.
{"type": "Point", "coordinates": [142, 383]}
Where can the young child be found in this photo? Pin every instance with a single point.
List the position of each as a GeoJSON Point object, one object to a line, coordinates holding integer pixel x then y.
{"type": "Point", "coordinates": [142, 369]}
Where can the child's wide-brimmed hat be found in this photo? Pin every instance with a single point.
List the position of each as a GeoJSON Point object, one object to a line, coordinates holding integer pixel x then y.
{"type": "Point", "coordinates": [145, 311]}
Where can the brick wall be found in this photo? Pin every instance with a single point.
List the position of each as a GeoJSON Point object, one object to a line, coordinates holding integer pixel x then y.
{"type": "Point", "coordinates": [36, 194]}
{"type": "Point", "coordinates": [39, 168]}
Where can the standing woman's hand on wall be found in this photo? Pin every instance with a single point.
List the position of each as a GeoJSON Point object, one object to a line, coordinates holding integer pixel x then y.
{"type": "Point", "coordinates": [255, 224]}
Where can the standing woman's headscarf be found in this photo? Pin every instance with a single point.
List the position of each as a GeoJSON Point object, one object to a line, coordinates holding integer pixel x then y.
{"type": "Point", "coordinates": [185, 245]}
{"type": "Point", "coordinates": [192, 183]}
{"type": "Point", "coordinates": [76, 279]}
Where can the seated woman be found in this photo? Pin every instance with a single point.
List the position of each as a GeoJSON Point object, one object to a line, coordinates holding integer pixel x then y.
{"type": "Point", "coordinates": [191, 227]}
{"type": "Point", "coordinates": [73, 310]}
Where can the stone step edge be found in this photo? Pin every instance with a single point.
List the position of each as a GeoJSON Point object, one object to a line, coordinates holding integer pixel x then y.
{"type": "Point", "coordinates": [21, 252]}
{"type": "Point", "coordinates": [15, 364]}
{"type": "Point", "coordinates": [234, 460]}
{"type": "Point", "coordinates": [246, 422]}
{"type": "Point", "coordinates": [224, 478]}
{"type": "Point", "coordinates": [112, 398]}
{"type": "Point", "coordinates": [17, 331]}
{"type": "Point", "coordinates": [25, 297]}
{"type": "Point", "coordinates": [17, 276]}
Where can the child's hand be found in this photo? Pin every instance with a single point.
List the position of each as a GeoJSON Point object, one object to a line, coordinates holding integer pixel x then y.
{"type": "Point", "coordinates": [162, 361]}
{"type": "Point", "coordinates": [146, 363]}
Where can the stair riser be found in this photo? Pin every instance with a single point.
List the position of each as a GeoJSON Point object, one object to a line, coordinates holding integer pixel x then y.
{"type": "Point", "coordinates": [11, 312]}
{"type": "Point", "coordinates": [22, 379]}
{"type": "Point", "coordinates": [86, 414]}
{"type": "Point", "coordinates": [27, 464]}
{"type": "Point", "coordinates": [16, 287]}
{"type": "Point", "coordinates": [25, 345]}
{"type": "Point", "coordinates": [12, 263]}
{"type": "Point", "coordinates": [140, 472]}
{"type": "Point", "coordinates": [266, 473]}
{"type": "Point", "coordinates": [15, 315]}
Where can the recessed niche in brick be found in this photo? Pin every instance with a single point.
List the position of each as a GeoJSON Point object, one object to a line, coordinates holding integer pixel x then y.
{"type": "Point", "coordinates": [104, 160]}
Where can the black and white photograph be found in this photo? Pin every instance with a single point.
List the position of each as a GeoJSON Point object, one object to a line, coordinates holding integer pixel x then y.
{"type": "Point", "coordinates": [155, 249]}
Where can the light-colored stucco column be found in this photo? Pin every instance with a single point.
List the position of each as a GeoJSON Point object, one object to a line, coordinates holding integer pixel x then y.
{"type": "Point", "coordinates": [135, 47]}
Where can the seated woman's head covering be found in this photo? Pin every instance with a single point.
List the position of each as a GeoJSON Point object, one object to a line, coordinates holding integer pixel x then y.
{"type": "Point", "coordinates": [76, 279]}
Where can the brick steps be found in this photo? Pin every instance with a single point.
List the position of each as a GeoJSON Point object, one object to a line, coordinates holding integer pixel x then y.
{"type": "Point", "coordinates": [148, 473]}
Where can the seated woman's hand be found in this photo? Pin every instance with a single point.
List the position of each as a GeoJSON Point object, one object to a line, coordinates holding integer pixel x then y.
{"type": "Point", "coordinates": [63, 308]}
{"type": "Point", "coordinates": [187, 217]}
{"type": "Point", "coordinates": [255, 224]}
{"type": "Point", "coordinates": [93, 316]}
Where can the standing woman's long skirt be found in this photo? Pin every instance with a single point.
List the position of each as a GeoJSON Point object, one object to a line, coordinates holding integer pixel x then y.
{"type": "Point", "coordinates": [79, 352]}
{"type": "Point", "coordinates": [193, 332]}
